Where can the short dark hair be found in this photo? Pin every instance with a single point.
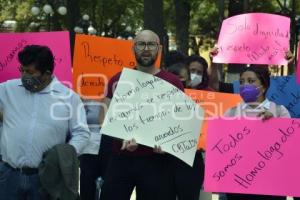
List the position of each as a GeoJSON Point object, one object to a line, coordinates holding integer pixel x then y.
{"type": "Point", "coordinates": [177, 67]}
{"type": "Point", "coordinates": [262, 72]}
{"type": "Point", "coordinates": [40, 56]}
{"type": "Point", "coordinates": [202, 61]}
{"type": "Point", "coordinates": [174, 57]}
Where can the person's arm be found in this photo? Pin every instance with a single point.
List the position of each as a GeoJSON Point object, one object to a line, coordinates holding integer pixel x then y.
{"type": "Point", "coordinates": [104, 108]}
{"type": "Point", "coordinates": [2, 97]}
{"type": "Point", "coordinates": [214, 77]}
{"type": "Point", "coordinates": [283, 112]}
{"type": "Point", "coordinates": [289, 56]}
{"type": "Point", "coordinates": [78, 124]}
{"type": "Point", "coordinates": [280, 111]}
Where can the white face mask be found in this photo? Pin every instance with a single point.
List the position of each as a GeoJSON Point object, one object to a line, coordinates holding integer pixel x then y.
{"type": "Point", "coordinates": [195, 79]}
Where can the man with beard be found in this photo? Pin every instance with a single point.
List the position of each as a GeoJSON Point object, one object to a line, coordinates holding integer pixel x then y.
{"type": "Point", "coordinates": [134, 165]}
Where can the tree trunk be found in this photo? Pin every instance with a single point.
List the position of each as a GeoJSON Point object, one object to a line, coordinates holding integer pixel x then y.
{"type": "Point", "coordinates": [294, 35]}
{"type": "Point", "coordinates": [182, 9]}
{"type": "Point", "coordinates": [154, 20]}
{"type": "Point", "coordinates": [221, 5]}
{"type": "Point", "coordinates": [73, 19]}
{"type": "Point", "coordinates": [235, 7]}
{"type": "Point", "coordinates": [246, 6]}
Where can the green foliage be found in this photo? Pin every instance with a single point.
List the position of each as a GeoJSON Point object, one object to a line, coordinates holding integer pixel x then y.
{"type": "Point", "coordinates": [126, 16]}
{"type": "Point", "coordinates": [169, 15]}
{"type": "Point", "coordinates": [122, 13]}
{"type": "Point", "coordinates": [270, 6]}
{"type": "Point", "coordinates": [23, 16]}
{"type": "Point", "coordinates": [8, 10]}
{"type": "Point", "coordinates": [204, 18]}
{"type": "Point", "coordinates": [122, 17]}
{"type": "Point", "coordinates": [17, 10]}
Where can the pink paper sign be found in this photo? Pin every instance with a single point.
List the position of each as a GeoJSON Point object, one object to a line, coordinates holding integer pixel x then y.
{"type": "Point", "coordinates": [255, 38]}
{"type": "Point", "coordinates": [253, 157]}
{"type": "Point", "coordinates": [12, 43]}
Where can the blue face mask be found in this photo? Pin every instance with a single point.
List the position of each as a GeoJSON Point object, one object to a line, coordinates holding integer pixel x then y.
{"type": "Point", "coordinates": [249, 93]}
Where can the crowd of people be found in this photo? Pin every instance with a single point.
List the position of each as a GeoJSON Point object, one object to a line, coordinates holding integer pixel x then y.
{"type": "Point", "coordinates": [40, 113]}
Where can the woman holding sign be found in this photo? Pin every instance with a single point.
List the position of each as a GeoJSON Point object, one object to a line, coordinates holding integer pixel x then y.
{"type": "Point", "coordinates": [254, 83]}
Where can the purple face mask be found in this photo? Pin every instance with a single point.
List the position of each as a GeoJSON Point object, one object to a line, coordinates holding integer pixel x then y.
{"type": "Point", "coordinates": [249, 93]}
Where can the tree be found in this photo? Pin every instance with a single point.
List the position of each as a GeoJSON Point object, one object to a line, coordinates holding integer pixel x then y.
{"type": "Point", "coordinates": [182, 10]}
{"type": "Point", "coordinates": [120, 18]}
{"type": "Point", "coordinates": [153, 18]}
{"type": "Point", "coordinates": [204, 18]}
{"type": "Point", "coordinates": [73, 17]}
{"type": "Point", "coordinates": [17, 11]}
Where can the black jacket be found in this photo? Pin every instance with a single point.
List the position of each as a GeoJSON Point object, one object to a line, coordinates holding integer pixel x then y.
{"type": "Point", "coordinates": [59, 173]}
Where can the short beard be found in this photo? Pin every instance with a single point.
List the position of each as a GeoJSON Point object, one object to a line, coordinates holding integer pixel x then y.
{"type": "Point", "coordinates": [149, 63]}
{"type": "Point", "coordinates": [142, 62]}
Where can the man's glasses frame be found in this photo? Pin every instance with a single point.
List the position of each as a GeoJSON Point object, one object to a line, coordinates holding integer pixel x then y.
{"type": "Point", "coordinates": [140, 45]}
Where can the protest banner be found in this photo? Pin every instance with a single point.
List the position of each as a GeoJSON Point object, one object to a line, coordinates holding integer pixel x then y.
{"type": "Point", "coordinates": [215, 104]}
{"type": "Point", "coordinates": [58, 42]}
{"type": "Point", "coordinates": [255, 38]}
{"type": "Point", "coordinates": [96, 60]}
{"type": "Point", "coordinates": [154, 112]}
{"type": "Point", "coordinates": [284, 90]}
{"type": "Point", "coordinates": [253, 156]}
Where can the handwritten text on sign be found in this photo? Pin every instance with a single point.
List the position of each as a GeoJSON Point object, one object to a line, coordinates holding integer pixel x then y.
{"type": "Point", "coordinates": [284, 90]}
{"type": "Point", "coordinates": [214, 104]}
{"type": "Point", "coordinates": [96, 60]}
{"type": "Point", "coordinates": [252, 156]}
{"type": "Point", "coordinates": [255, 38]}
{"type": "Point", "coordinates": [154, 112]}
{"type": "Point", "coordinates": [12, 43]}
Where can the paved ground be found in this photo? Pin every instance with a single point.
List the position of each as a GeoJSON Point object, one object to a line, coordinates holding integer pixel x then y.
{"type": "Point", "coordinates": [204, 196]}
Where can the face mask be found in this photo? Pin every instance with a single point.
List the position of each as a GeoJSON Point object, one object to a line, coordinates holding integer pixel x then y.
{"type": "Point", "coordinates": [195, 79]}
{"type": "Point", "coordinates": [249, 93]}
{"type": "Point", "coordinates": [31, 83]}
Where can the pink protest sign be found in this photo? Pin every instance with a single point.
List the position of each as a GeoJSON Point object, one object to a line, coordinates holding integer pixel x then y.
{"type": "Point", "coordinates": [253, 157]}
{"type": "Point", "coordinates": [255, 38]}
{"type": "Point", "coordinates": [12, 43]}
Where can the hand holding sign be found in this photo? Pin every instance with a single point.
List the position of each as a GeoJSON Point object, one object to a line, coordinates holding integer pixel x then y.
{"type": "Point", "coordinates": [129, 145]}
{"type": "Point", "coordinates": [155, 113]}
{"type": "Point", "coordinates": [255, 38]}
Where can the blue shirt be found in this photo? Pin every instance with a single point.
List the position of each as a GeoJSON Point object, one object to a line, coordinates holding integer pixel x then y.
{"type": "Point", "coordinates": [35, 122]}
{"type": "Point", "coordinates": [92, 109]}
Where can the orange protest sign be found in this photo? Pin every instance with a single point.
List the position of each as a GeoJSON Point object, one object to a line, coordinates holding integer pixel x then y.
{"type": "Point", "coordinates": [214, 104]}
{"type": "Point", "coordinates": [96, 60]}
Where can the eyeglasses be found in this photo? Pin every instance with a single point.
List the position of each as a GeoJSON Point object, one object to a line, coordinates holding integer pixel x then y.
{"type": "Point", "coordinates": [142, 45]}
